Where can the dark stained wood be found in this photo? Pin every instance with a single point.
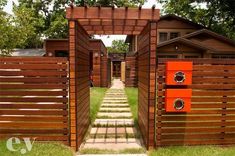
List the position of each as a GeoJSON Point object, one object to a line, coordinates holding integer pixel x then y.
{"type": "Point", "coordinates": [79, 83]}
{"type": "Point", "coordinates": [100, 64]}
{"type": "Point", "coordinates": [33, 98]}
{"type": "Point", "coordinates": [106, 20]}
{"type": "Point", "coordinates": [211, 120]}
{"type": "Point", "coordinates": [54, 45]}
{"type": "Point", "coordinates": [131, 71]}
{"type": "Point", "coordinates": [147, 82]}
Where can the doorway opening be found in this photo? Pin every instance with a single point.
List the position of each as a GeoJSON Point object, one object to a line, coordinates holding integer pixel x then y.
{"type": "Point", "coordinates": [86, 21]}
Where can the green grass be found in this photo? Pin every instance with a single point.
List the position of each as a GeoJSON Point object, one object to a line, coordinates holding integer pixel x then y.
{"type": "Point", "coordinates": [38, 149]}
{"type": "Point", "coordinates": [97, 95]}
{"type": "Point", "coordinates": [194, 151]}
{"type": "Point", "coordinates": [132, 94]}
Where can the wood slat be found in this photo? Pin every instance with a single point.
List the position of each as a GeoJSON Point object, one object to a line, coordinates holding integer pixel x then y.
{"type": "Point", "coordinates": [211, 119]}
{"type": "Point", "coordinates": [33, 96]}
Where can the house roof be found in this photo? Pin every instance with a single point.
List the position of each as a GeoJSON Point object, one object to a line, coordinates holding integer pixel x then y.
{"type": "Point", "coordinates": [98, 40]}
{"type": "Point", "coordinates": [185, 41]}
{"type": "Point", "coordinates": [28, 52]}
{"type": "Point", "coordinates": [210, 33]}
{"type": "Point", "coordinates": [56, 39]}
{"type": "Point", "coordinates": [172, 16]}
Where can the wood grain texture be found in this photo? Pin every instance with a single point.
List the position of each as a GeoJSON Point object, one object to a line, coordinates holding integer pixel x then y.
{"type": "Point", "coordinates": [147, 82]}
{"type": "Point", "coordinates": [34, 98]}
{"type": "Point", "coordinates": [110, 21]}
{"type": "Point", "coordinates": [131, 78]}
{"type": "Point", "coordinates": [211, 120]}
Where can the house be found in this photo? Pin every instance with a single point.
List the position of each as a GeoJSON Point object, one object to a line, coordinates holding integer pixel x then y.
{"type": "Point", "coordinates": [99, 63]}
{"type": "Point", "coordinates": [28, 52]}
{"type": "Point", "coordinates": [181, 38]}
{"type": "Point", "coordinates": [177, 38]}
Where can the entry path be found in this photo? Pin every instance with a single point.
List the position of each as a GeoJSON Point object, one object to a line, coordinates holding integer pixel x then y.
{"type": "Point", "coordinates": [114, 128]}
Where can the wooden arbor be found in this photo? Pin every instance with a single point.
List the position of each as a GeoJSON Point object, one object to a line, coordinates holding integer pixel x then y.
{"type": "Point", "coordinates": [85, 21]}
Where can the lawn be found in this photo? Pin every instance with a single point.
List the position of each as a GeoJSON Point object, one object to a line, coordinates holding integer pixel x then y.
{"type": "Point", "coordinates": [97, 95]}
{"type": "Point", "coordinates": [132, 94]}
{"type": "Point", "coordinates": [193, 151]}
{"type": "Point", "coordinates": [38, 149]}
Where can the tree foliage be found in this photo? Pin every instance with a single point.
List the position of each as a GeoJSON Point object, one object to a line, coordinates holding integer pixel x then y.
{"type": "Point", "coordinates": [52, 14]}
{"type": "Point", "coordinates": [17, 30]}
{"type": "Point", "coordinates": [118, 46]}
{"type": "Point", "coordinates": [2, 3]}
{"type": "Point", "coordinates": [217, 15]}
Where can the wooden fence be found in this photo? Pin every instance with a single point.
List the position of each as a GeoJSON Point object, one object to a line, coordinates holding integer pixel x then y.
{"type": "Point", "coordinates": [33, 98]}
{"type": "Point", "coordinates": [147, 82]}
{"type": "Point", "coordinates": [212, 117]}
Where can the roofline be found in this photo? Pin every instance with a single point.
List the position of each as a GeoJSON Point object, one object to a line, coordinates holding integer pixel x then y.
{"type": "Point", "coordinates": [55, 39]}
{"type": "Point", "coordinates": [216, 35]}
{"type": "Point", "coordinates": [95, 40]}
{"type": "Point", "coordinates": [183, 40]}
{"type": "Point", "coordinates": [182, 19]}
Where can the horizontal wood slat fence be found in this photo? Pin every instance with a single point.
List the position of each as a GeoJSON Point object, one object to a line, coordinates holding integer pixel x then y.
{"type": "Point", "coordinates": [34, 98]}
{"type": "Point", "coordinates": [212, 116]}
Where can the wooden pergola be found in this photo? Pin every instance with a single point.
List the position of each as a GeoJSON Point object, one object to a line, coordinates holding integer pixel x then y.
{"type": "Point", "coordinates": [86, 21]}
{"type": "Point", "coordinates": [111, 21]}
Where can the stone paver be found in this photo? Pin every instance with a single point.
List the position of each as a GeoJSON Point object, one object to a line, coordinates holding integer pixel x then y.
{"type": "Point", "coordinates": [114, 105]}
{"type": "Point", "coordinates": [115, 115]}
{"type": "Point", "coordinates": [115, 109]}
{"type": "Point", "coordinates": [114, 127]}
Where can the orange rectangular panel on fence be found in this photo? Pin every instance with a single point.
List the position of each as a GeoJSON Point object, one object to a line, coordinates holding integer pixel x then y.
{"type": "Point", "coordinates": [179, 73]}
{"type": "Point", "coordinates": [178, 100]}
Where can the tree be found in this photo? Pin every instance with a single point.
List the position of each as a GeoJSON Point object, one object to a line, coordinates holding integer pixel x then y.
{"type": "Point", "coordinates": [2, 4]}
{"type": "Point", "coordinates": [28, 24]}
{"type": "Point", "coordinates": [18, 30]}
{"type": "Point", "coordinates": [52, 13]}
{"type": "Point", "coordinates": [218, 15]}
{"type": "Point", "coordinates": [118, 46]}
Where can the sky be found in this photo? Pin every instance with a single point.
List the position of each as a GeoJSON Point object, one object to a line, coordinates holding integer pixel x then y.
{"type": "Point", "coordinates": [106, 39]}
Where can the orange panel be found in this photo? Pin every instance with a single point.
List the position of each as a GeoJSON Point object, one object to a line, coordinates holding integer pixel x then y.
{"type": "Point", "coordinates": [179, 73]}
{"type": "Point", "coordinates": [178, 100]}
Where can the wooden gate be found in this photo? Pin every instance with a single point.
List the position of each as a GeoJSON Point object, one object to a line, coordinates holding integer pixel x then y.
{"type": "Point", "coordinates": [212, 117]}
{"type": "Point", "coordinates": [33, 98]}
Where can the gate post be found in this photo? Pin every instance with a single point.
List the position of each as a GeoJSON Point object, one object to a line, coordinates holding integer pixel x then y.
{"type": "Point", "coordinates": [147, 43]}
{"type": "Point", "coordinates": [152, 83]}
{"type": "Point", "coordinates": [72, 83]}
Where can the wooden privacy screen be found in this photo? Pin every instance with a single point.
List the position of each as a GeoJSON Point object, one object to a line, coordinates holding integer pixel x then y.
{"type": "Point", "coordinates": [131, 71]}
{"type": "Point", "coordinates": [33, 98]}
{"type": "Point", "coordinates": [79, 83]}
{"type": "Point", "coordinates": [212, 117]}
{"type": "Point", "coordinates": [146, 82]}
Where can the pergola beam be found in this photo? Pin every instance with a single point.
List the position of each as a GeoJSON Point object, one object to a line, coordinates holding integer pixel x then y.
{"type": "Point", "coordinates": [111, 13]}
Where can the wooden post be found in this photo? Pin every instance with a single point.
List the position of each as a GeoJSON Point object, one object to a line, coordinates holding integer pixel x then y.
{"type": "Point", "coordinates": [72, 84]}
{"type": "Point", "coordinates": [152, 83]}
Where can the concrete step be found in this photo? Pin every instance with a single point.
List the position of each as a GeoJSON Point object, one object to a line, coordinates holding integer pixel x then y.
{"type": "Point", "coordinates": [113, 122]}
{"type": "Point", "coordinates": [117, 102]}
{"type": "Point", "coordinates": [115, 144]}
{"type": "Point", "coordinates": [114, 105]}
{"type": "Point", "coordinates": [113, 130]}
{"type": "Point", "coordinates": [115, 99]}
{"type": "Point", "coordinates": [114, 115]}
{"type": "Point", "coordinates": [114, 109]}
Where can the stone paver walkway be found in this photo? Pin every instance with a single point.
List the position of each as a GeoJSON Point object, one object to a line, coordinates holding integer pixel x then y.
{"type": "Point", "coordinates": [113, 128]}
